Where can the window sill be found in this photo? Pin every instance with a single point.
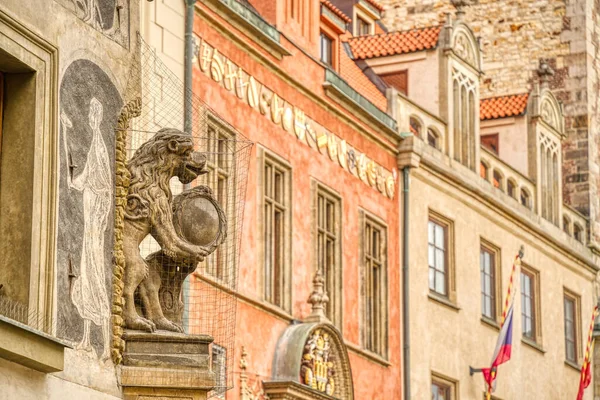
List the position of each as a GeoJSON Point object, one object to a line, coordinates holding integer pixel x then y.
{"type": "Point", "coordinates": [573, 365]}
{"type": "Point", "coordinates": [251, 300]}
{"type": "Point", "coordinates": [367, 354]}
{"type": "Point", "coordinates": [31, 348]}
{"type": "Point", "coordinates": [491, 323]}
{"type": "Point", "coordinates": [443, 301]}
{"type": "Point", "coordinates": [533, 345]}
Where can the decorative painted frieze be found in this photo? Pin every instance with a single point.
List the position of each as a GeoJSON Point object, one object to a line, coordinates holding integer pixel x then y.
{"type": "Point", "coordinates": [292, 119]}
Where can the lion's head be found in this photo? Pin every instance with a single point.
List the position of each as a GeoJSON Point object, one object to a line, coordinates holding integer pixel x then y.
{"type": "Point", "coordinates": [169, 153]}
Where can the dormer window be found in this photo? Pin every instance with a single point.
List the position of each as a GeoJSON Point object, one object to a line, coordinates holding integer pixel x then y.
{"type": "Point", "coordinates": [490, 142]}
{"type": "Point", "coordinates": [327, 49]}
{"type": "Point", "coordinates": [363, 27]}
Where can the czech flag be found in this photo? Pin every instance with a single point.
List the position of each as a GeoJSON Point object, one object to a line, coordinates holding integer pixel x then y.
{"type": "Point", "coordinates": [503, 347]}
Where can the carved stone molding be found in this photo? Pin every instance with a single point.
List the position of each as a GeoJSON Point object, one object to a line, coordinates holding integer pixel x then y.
{"type": "Point", "coordinates": [131, 110]}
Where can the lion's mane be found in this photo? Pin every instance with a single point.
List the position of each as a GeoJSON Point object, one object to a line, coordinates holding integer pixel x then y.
{"type": "Point", "coordinates": [151, 169]}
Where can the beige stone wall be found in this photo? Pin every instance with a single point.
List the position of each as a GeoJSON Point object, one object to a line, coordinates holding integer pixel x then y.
{"type": "Point", "coordinates": [515, 35]}
{"type": "Point", "coordinates": [57, 27]}
{"type": "Point", "coordinates": [163, 28]}
{"type": "Point", "coordinates": [447, 340]}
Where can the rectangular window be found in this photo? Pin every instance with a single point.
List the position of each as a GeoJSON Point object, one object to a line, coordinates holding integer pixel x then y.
{"type": "Point", "coordinates": [571, 315]}
{"type": "Point", "coordinates": [529, 304]}
{"type": "Point", "coordinates": [219, 367]}
{"type": "Point", "coordinates": [442, 388]}
{"type": "Point", "coordinates": [276, 185]}
{"type": "Point", "coordinates": [328, 249]}
{"type": "Point", "coordinates": [326, 49]}
{"type": "Point", "coordinates": [374, 285]}
{"type": "Point", "coordinates": [440, 391]}
{"type": "Point", "coordinates": [438, 257]}
{"type": "Point", "coordinates": [362, 27]}
{"type": "Point", "coordinates": [220, 160]}
{"type": "Point", "coordinates": [489, 266]}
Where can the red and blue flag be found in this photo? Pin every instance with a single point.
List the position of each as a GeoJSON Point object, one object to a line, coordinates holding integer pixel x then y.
{"type": "Point", "coordinates": [503, 347]}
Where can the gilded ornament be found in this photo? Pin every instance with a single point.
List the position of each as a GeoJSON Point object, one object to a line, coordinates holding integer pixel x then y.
{"type": "Point", "coordinates": [299, 123]}
{"type": "Point", "coordinates": [342, 155]}
{"type": "Point", "coordinates": [380, 180]}
{"type": "Point", "coordinates": [390, 186]}
{"type": "Point", "coordinates": [311, 136]}
{"type": "Point", "coordinates": [252, 93]}
{"type": "Point", "coordinates": [216, 67]}
{"type": "Point", "coordinates": [276, 110]}
{"type": "Point", "coordinates": [317, 370]}
{"type": "Point", "coordinates": [240, 85]}
{"type": "Point", "coordinates": [332, 147]}
{"type": "Point", "coordinates": [265, 102]}
{"type": "Point", "coordinates": [230, 75]}
{"type": "Point", "coordinates": [361, 165]}
{"type": "Point", "coordinates": [206, 57]}
{"type": "Point", "coordinates": [352, 162]}
{"type": "Point", "coordinates": [288, 118]}
{"type": "Point", "coordinates": [371, 173]}
{"type": "Point", "coordinates": [321, 140]}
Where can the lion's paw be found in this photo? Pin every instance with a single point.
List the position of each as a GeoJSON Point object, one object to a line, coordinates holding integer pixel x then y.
{"type": "Point", "coordinates": [140, 324]}
{"type": "Point", "coordinates": [163, 323]}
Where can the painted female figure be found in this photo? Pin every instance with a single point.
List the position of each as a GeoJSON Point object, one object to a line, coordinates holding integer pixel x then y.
{"type": "Point", "coordinates": [89, 293]}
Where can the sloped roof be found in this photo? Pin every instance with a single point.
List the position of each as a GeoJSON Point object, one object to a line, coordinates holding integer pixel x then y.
{"type": "Point", "coordinates": [503, 106]}
{"type": "Point", "coordinates": [336, 11]}
{"type": "Point", "coordinates": [393, 43]}
{"type": "Point", "coordinates": [355, 77]}
{"type": "Point", "coordinates": [376, 5]}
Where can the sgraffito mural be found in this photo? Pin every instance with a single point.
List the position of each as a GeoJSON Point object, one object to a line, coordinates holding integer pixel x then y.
{"type": "Point", "coordinates": [89, 104]}
{"type": "Point", "coordinates": [110, 17]}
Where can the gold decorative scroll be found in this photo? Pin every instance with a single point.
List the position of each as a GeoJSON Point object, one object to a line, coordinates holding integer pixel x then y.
{"type": "Point", "coordinates": [293, 120]}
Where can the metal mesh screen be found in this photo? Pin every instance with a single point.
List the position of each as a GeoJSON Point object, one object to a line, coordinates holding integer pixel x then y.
{"type": "Point", "coordinates": [205, 302]}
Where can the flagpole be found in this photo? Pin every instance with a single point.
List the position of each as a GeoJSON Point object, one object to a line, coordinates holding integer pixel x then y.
{"type": "Point", "coordinates": [511, 281]}
{"type": "Point", "coordinates": [583, 382]}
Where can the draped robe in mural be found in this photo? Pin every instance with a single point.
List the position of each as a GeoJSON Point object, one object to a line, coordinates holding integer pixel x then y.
{"type": "Point", "coordinates": [89, 290]}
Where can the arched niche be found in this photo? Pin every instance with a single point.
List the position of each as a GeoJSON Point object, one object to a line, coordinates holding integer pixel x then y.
{"type": "Point", "coordinates": [465, 45]}
{"type": "Point", "coordinates": [311, 361]}
{"type": "Point", "coordinates": [550, 110]}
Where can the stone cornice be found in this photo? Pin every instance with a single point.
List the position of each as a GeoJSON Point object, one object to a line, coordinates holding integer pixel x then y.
{"type": "Point", "coordinates": [452, 173]}
{"type": "Point", "coordinates": [384, 138]}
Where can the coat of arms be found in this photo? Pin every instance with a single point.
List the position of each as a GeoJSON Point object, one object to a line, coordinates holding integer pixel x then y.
{"type": "Point", "coordinates": [317, 363]}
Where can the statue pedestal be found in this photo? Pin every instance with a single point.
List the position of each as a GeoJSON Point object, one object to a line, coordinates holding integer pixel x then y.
{"type": "Point", "coordinates": [166, 365]}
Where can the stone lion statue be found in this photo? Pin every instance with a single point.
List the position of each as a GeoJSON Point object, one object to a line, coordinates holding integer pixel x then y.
{"type": "Point", "coordinates": [169, 153]}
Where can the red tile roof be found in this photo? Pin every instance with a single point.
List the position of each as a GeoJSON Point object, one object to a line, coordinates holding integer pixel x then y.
{"type": "Point", "coordinates": [503, 106]}
{"type": "Point", "coordinates": [392, 43]}
{"type": "Point", "coordinates": [355, 77]}
{"type": "Point", "coordinates": [376, 5]}
{"type": "Point", "coordinates": [336, 11]}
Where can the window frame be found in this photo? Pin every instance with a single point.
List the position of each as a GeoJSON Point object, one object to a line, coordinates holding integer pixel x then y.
{"type": "Point", "coordinates": [534, 276]}
{"type": "Point", "coordinates": [445, 382]}
{"type": "Point", "coordinates": [450, 286]}
{"type": "Point", "coordinates": [496, 254]}
{"type": "Point", "coordinates": [285, 286]}
{"type": "Point", "coordinates": [576, 331]}
{"type": "Point", "coordinates": [327, 37]}
{"type": "Point", "coordinates": [382, 335]}
{"type": "Point", "coordinates": [32, 54]}
{"type": "Point", "coordinates": [218, 360]}
{"type": "Point", "coordinates": [212, 180]}
{"type": "Point", "coordinates": [334, 288]}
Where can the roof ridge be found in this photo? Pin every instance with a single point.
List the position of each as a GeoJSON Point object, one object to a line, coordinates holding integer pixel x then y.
{"type": "Point", "coordinates": [394, 32]}
{"type": "Point", "coordinates": [505, 95]}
